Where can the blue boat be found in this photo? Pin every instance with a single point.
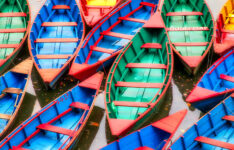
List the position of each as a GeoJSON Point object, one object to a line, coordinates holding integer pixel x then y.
{"type": "Point", "coordinates": [58, 124]}
{"type": "Point", "coordinates": [215, 85]}
{"type": "Point", "coordinates": [213, 131]}
{"type": "Point", "coordinates": [110, 35]}
{"type": "Point", "coordinates": [55, 36]}
{"type": "Point", "coordinates": [13, 85]}
{"type": "Point", "coordinates": [156, 136]}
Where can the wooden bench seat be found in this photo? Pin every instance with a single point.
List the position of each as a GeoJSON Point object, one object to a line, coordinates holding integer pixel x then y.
{"type": "Point", "coordinates": [12, 90]}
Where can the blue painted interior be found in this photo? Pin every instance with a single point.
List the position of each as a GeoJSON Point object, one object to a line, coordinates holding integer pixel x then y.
{"type": "Point", "coordinates": [47, 14]}
{"type": "Point", "coordinates": [211, 125]}
{"type": "Point", "coordinates": [7, 103]}
{"type": "Point", "coordinates": [47, 139]}
{"type": "Point", "coordinates": [124, 27]}
{"type": "Point", "coordinates": [149, 136]}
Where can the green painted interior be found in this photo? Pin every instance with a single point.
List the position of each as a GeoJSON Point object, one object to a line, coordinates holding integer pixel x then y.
{"type": "Point", "coordinates": [135, 54]}
{"type": "Point", "coordinates": [204, 20]}
{"type": "Point", "coordinates": [7, 6]}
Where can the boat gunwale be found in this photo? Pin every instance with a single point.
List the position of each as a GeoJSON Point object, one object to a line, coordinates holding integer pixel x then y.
{"type": "Point", "coordinates": [20, 46]}
{"type": "Point", "coordinates": [152, 105]}
{"type": "Point", "coordinates": [208, 71]}
{"type": "Point", "coordinates": [68, 62]}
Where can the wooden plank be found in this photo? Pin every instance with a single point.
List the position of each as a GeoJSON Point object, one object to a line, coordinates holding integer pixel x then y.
{"type": "Point", "coordinates": [80, 105]}
{"type": "Point", "coordinates": [229, 118]}
{"type": "Point", "coordinates": [118, 35]}
{"type": "Point", "coordinates": [9, 45]}
{"type": "Point", "coordinates": [12, 90]}
{"type": "Point", "coordinates": [53, 56]}
{"type": "Point", "coordinates": [214, 142]}
{"type": "Point", "coordinates": [15, 14]}
{"type": "Point", "coordinates": [189, 29]}
{"type": "Point", "coordinates": [55, 129]}
{"type": "Point", "coordinates": [152, 45]}
{"type": "Point", "coordinates": [131, 104]}
{"type": "Point", "coordinates": [147, 4]}
{"type": "Point", "coordinates": [184, 13]}
{"type": "Point", "coordinates": [53, 24]}
{"type": "Point", "coordinates": [191, 44]}
{"type": "Point", "coordinates": [17, 30]}
{"type": "Point", "coordinates": [61, 7]}
{"type": "Point", "coordinates": [5, 116]}
{"type": "Point", "coordinates": [132, 19]}
{"type": "Point", "coordinates": [146, 65]}
{"type": "Point", "coordinates": [138, 84]}
{"type": "Point", "coordinates": [24, 67]}
{"type": "Point", "coordinates": [102, 50]}
{"type": "Point", "coordinates": [226, 77]}
{"type": "Point", "coordinates": [57, 40]}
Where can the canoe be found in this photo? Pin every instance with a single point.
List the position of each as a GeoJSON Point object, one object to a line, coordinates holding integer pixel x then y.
{"type": "Point", "coordinates": [224, 39]}
{"type": "Point", "coordinates": [55, 36]}
{"type": "Point", "coordinates": [109, 36]}
{"type": "Point", "coordinates": [13, 85]}
{"type": "Point", "coordinates": [190, 27]}
{"type": "Point", "coordinates": [139, 78]}
{"type": "Point", "coordinates": [156, 136]}
{"type": "Point", "coordinates": [213, 131]}
{"type": "Point", "coordinates": [58, 124]}
{"type": "Point", "coordinates": [94, 10]}
{"type": "Point", "coordinates": [14, 18]}
{"type": "Point", "coordinates": [216, 84]}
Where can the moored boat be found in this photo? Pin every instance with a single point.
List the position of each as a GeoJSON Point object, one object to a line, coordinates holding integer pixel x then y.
{"type": "Point", "coordinates": [110, 36]}
{"type": "Point", "coordinates": [58, 124]}
{"type": "Point", "coordinates": [156, 136]}
{"type": "Point", "coordinates": [94, 10]}
{"type": "Point", "coordinates": [216, 84]}
{"type": "Point", "coordinates": [213, 131]}
{"type": "Point", "coordinates": [15, 19]}
{"type": "Point", "coordinates": [139, 78]}
{"type": "Point", "coordinates": [55, 36]}
{"type": "Point", "coordinates": [224, 40]}
{"type": "Point", "coordinates": [190, 28]}
{"type": "Point", "coordinates": [13, 85]}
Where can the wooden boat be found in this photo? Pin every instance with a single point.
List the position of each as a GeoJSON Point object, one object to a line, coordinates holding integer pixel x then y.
{"type": "Point", "coordinates": [105, 40]}
{"type": "Point", "coordinates": [58, 124]}
{"type": "Point", "coordinates": [13, 85]}
{"type": "Point", "coordinates": [139, 78]}
{"type": "Point", "coordinates": [55, 36]}
{"type": "Point", "coordinates": [158, 135]}
{"type": "Point", "coordinates": [14, 18]}
{"type": "Point", "coordinates": [94, 10]}
{"type": "Point", "coordinates": [224, 39]}
{"type": "Point", "coordinates": [190, 28]}
{"type": "Point", "coordinates": [213, 131]}
{"type": "Point", "coordinates": [216, 84]}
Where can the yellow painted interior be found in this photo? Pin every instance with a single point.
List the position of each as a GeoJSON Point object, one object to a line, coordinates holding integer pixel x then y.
{"type": "Point", "coordinates": [228, 15]}
{"type": "Point", "coordinates": [101, 2]}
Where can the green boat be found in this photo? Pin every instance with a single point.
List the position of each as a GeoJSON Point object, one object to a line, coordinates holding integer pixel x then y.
{"type": "Point", "coordinates": [190, 27]}
{"type": "Point", "coordinates": [14, 18]}
{"type": "Point", "coordinates": [139, 78]}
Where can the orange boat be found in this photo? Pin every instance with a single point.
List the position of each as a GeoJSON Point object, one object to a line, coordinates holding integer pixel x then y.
{"type": "Point", "coordinates": [94, 10]}
{"type": "Point", "coordinates": [225, 29]}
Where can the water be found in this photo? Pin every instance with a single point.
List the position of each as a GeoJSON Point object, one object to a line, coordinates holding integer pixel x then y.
{"type": "Point", "coordinates": [96, 133]}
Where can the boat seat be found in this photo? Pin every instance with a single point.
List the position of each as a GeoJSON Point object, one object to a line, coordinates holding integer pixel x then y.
{"type": "Point", "coordinates": [231, 15]}
{"type": "Point", "coordinates": [189, 29]}
{"type": "Point", "coordinates": [102, 50]}
{"type": "Point", "coordinates": [214, 142]}
{"type": "Point", "coordinates": [132, 19]}
{"type": "Point", "coordinates": [13, 14]}
{"type": "Point", "coordinates": [191, 44]}
{"type": "Point", "coordinates": [9, 45]}
{"type": "Point", "coordinates": [131, 104]}
{"type": "Point", "coordinates": [57, 40]}
{"type": "Point", "coordinates": [118, 35]}
{"type": "Point", "coordinates": [152, 45]}
{"type": "Point", "coordinates": [146, 65]}
{"type": "Point", "coordinates": [228, 118]}
{"type": "Point", "coordinates": [54, 24]}
{"type": "Point", "coordinates": [5, 116]}
{"type": "Point", "coordinates": [61, 7]}
{"type": "Point", "coordinates": [12, 90]}
{"type": "Point", "coordinates": [18, 148]}
{"type": "Point", "coordinates": [147, 4]}
{"type": "Point", "coordinates": [144, 148]}
{"type": "Point", "coordinates": [226, 77]}
{"type": "Point", "coordinates": [53, 56]}
{"type": "Point", "coordinates": [228, 31]}
{"type": "Point", "coordinates": [80, 105]}
{"type": "Point", "coordinates": [194, 13]}
{"type": "Point", "coordinates": [55, 129]}
{"type": "Point", "coordinates": [18, 30]}
{"type": "Point", "coordinates": [138, 84]}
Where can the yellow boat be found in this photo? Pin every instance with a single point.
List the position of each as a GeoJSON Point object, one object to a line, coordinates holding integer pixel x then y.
{"type": "Point", "coordinates": [225, 29]}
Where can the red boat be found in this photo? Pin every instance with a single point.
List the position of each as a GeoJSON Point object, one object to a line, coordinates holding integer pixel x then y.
{"type": "Point", "coordinates": [94, 10]}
